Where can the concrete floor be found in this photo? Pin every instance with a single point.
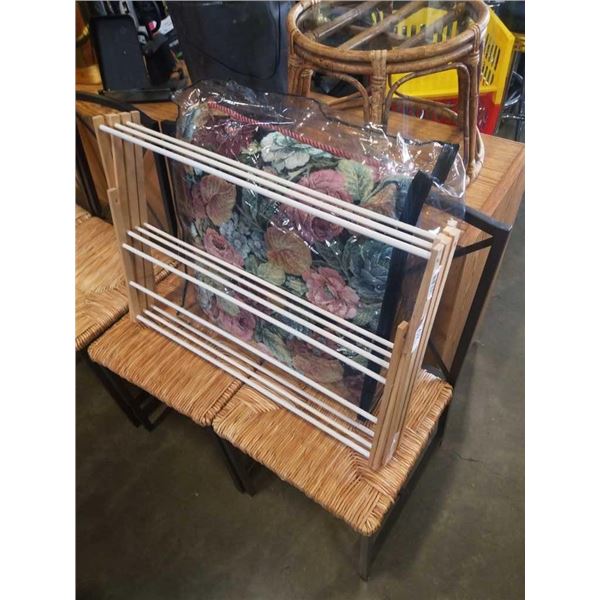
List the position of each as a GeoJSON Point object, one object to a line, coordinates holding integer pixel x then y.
{"type": "Point", "coordinates": [158, 517]}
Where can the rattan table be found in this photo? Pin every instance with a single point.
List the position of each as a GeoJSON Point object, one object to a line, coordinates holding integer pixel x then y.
{"type": "Point", "coordinates": [350, 40]}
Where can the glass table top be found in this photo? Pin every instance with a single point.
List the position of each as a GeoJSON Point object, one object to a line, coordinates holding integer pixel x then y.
{"type": "Point", "coordinates": [384, 25]}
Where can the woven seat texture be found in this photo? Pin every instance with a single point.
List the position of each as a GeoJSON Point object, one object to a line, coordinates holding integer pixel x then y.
{"type": "Point", "coordinates": [174, 375]}
{"type": "Point", "coordinates": [324, 469]}
{"type": "Point", "coordinates": [100, 291]}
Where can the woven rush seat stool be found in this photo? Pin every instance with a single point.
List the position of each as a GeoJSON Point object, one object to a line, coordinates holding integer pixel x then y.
{"type": "Point", "coordinates": [170, 374]}
{"type": "Point", "coordinates": [326, 471]}
{"type": "Point", "coordinates": [101, 297]}
{"type": "Point", "coordinates": [101, 300]}
{"type": "Point", "coordinates": [100, 289]}
{"type": "Point", "coordinates": [165, 370]}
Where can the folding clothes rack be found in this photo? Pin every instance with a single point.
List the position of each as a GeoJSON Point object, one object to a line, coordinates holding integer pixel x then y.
{"type": "Point", "coordinates": [372, 434]}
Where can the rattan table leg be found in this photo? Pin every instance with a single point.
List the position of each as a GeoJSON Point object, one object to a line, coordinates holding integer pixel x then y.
{"type": "Point", "coordinates": [471, 152]}
{"type": "Point", "coordinates": [378, 87]}
{"type": "Point", "coordinates": [295, 66]}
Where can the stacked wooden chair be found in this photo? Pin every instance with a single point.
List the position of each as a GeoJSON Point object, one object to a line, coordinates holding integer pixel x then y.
{"type": "Point", "coordinates": [352, 460]}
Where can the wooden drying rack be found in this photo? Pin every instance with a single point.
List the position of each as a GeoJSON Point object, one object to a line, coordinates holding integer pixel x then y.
{"type": "Point", "coordinates": [375, 435]}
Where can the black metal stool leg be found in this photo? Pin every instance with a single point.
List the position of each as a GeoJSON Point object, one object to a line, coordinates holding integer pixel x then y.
{"type": "Point", "coordinates": [441, 428]}
{"type": "Point", "coordinates": [237, 482]}
{"type": "Point", "coordinates": [141, 409]}
{"type": "Point", "coordinates": [365, 556]}
{"type": "Point", "coordinates": [369, 545]}
{"type": "Point", "coordinates": [520, 113]}
{"type": "Point", "coordinates": [113, 390]}
{"type": "Point", "coordinates": [234, 459]}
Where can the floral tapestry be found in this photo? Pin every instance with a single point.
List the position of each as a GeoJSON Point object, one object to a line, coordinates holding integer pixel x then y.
{"type": "Point", "coordinates": [335, 270]}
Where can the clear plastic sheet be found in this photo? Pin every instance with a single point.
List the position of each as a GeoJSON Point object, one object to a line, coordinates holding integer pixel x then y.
{"type": "Point", "coordinates": [339, 272]}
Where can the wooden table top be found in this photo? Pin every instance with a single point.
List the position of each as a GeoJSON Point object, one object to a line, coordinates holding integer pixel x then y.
{"type": "Point", "coordinates": [493, 193]}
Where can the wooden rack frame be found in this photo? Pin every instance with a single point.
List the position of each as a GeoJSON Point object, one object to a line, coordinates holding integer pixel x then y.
{"type": "Point", "coordinates": [373, 435]}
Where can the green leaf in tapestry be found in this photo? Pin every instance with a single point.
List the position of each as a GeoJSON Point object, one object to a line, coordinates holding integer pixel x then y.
{"type": "Point", "coordinates": [276, 345]}
{"type": "Point", "coordinates": [271, 272]}
{"type": "Point", "coordinates": [347, 255]}
{"type": "Point", "coordinates": [297, 174]}
{"type": "Point", "coordinates": [361, 360]}
{"type": "Point", "coordinates": [251, 264]}
{"type": "Point", "coordinates": [228, 307]}
{"type": "Point", "coordinates": [366, 314]}
{"type": "Point", "coordinates": [296, 285]}
{"type": "Point", "coordinates": [198, 228]}
{"type": "Point", "coordinates": [359, 179]}
{"type": "Point", "coordinates": [331, 253]}
{"type": "Point", "coordinates": [266, 210]}
{"type": "Point", "coordinates": [324, 161]}
{"type": "Point", "coordinates": [248, 207]}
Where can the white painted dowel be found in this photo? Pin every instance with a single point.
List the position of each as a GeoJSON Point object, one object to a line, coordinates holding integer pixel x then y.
{"type": "Point", "coordinates": [358, 229]}
{"type": "Point", "coordinates": [229, 268]}
{"type": "Point", "coordinates": [229, 284]}
{"type": "Point", "coordinates": [254, 350]}
{"type": "Point", "coordinates": [253, 384]}
{"type": "Point", "coordinates": [249, 372]}
{"type": "Point", "coordinates": [370, 214]}
{"type": "Point", "coordinates": [299, 192]}
{"type": "Point", "coordinates": [194, 252]}
{"type": "Point", "coordinates": [258, 313]}
{"type": "Point", "coordinates": [298, 390]}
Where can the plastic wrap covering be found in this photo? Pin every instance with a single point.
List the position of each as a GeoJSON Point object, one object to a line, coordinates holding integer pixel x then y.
{"type": "Point", "coordinates": [333, 270]}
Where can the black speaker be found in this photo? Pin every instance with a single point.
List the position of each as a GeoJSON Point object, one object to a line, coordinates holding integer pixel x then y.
{"type": "Point", "coordinates": [120, 57]}
{"type": "Point", "coordinates": [122, 65]}
{"type": "Point", "coordinates": [242, 41]}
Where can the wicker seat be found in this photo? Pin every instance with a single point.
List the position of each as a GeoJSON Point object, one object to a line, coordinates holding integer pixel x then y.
{"type": "Point", "coordinates": [164, 370]}
{"type": "Point", "coordinates": [101, 296]}
{"type": "Point", "coordinates": [330, 473]}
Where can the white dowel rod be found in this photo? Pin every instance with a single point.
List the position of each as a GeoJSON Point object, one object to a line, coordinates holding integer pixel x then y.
{"type": "Point", "coordinates": [317, 194]}
{"type": "Point", "coordinates": [259, 367]}
{"type": "Point", "coordinates": [358, 229]}
{"type": "Point", "coordinates": [300, 192]}
{"type": "Point", "coordinates": [256, 351]}
{"type": "Point", "coordinates": [197, 252]}
{"type": "Point", "coordinates": [268, 382]}
{"type": "Point", "coordinates": [228, 268]}
{"type": "Point", "coordinates": [334, 353]}
{"type": "Point", "coordinates": [315, 328]}
{"type": "Point", "coordinates": [259, 388]}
